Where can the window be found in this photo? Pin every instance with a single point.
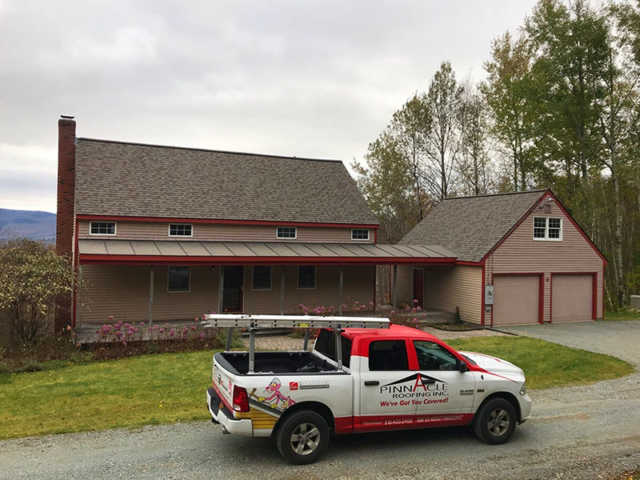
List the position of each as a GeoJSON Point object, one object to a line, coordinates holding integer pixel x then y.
{"type": "Point", "coordinates": [179, 279]}
{"type": "Point", "coordinates": [545, 228]}
{"type": "Point", "coordinates": [388, 355]}
{"type": "Point", "coordinates": [359, 234]}
{"type": "Point", "coordinates": [180, 230]}
{"type": "Point", "coordinates": [103, 228]}
{"type": "Point", "coordinates": [432, 356]}
{"type": "Point", "coordinates": [307, 276]}
{"type": "Point", "coordinates": [261, 278]}
{"type": "Point", "coordinates": [326, 345]}
{"type": "Point", "coordinates": [286, 232]}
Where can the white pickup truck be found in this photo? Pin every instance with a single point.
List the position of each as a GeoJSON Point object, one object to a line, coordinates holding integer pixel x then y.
{"type": "Point", "coordinates": [363, 375]}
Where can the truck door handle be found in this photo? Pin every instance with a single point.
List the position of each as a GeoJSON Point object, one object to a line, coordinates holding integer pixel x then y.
{"type": "Point", "coordinates": [371, 383]}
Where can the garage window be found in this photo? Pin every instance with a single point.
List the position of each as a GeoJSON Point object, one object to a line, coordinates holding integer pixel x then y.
{"type": "Point", "coordinates": [545, 228]}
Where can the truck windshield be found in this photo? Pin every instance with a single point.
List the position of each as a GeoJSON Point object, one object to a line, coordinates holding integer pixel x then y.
{"type": "Point", "coordinates": [326, 345]}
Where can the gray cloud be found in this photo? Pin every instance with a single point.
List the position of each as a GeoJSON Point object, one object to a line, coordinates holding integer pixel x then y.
{"type": "Point", "coordinates": [307, 78]}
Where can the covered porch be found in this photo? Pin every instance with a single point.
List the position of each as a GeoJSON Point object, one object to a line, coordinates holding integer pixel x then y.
{"type": "Point", "coordinates": [175, 281]}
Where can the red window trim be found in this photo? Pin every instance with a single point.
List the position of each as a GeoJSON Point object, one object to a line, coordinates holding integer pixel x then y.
{"type": "Point", "coordinates": [221, 221]}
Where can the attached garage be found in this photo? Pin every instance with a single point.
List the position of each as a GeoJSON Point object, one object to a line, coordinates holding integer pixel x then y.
{"type": "Point", "coordinates": [572, 297]}
{"type": "Point", "coordinates": [516, 299]}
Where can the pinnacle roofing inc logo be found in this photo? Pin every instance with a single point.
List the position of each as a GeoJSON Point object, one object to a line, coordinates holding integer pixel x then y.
{"type": "Point", "coordinates": [421, 386]}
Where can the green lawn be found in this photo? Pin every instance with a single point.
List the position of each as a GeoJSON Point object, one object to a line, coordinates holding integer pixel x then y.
{"type": "Point", "coordinates": [621, 315]}
{"type": "Point", "coordinates": [166, 388]}
{"type": "Point", "coordinates": [547, 364]}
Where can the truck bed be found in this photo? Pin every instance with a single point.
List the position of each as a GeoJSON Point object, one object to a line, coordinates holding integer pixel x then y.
{"type": "Point", "coordinates": [275, 362]}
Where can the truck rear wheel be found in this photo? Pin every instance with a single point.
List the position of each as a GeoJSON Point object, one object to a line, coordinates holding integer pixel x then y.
{"type": "Point", "coordinates": [495, 421]}
{"type": "Point", "coordinates": [303, 437]}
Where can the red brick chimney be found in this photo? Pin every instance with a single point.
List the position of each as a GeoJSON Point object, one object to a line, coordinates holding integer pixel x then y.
{"type": "Point", "coordinates": [66, 197]}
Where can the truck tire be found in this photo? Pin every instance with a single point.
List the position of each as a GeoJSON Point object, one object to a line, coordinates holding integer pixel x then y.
{"type": "Point", "coordinates": [495, 421]}
{"type": "Point", "coordinates": [303, 437]}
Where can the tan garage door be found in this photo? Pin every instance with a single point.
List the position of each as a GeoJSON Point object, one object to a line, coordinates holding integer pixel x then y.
{"type": "Point", "coordinates": [571, 298]}
{"type": "Point", "coordinates": [516, 299]}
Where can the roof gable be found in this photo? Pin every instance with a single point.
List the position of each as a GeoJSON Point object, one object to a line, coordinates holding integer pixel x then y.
{"type": "Point", "coordinates": [472, 226]}
{"type": "Point", "coordinates": [128, 179]}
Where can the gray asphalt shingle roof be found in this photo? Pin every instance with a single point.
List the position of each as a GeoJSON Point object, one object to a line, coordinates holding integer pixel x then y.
{"type": "Point", "coordinates": [128, 179]}
{"type": "Point", "coordinates": [471, 226]}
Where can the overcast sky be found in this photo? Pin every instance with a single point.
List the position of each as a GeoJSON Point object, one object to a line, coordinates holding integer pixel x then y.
{"type": "Point", "coordinates": [305, 78]}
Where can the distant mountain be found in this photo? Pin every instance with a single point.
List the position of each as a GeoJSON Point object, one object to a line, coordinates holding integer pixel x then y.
{"type": "Point", "coordinates": [27, 224]}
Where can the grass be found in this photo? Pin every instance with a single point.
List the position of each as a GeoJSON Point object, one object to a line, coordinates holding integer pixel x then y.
{"type": "Point", "coordinates": [548, 365]}
{"type": "Point", "coordinates": [167, 388]}
{"type": "Point", "coordinates": [622, 315]}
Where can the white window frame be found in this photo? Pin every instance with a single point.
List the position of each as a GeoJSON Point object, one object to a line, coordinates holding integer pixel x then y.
{"type": "Point", "coordinates": [115, 229]}
{"type": "Point", "coordinates": [295, 233]}
{"type": "Point", "coordinates": [353, 230]}
{"type": "Point", "coordinates": [546, 237]}
{"type": "Point", "coordinates": [180, 236]}
{"type": "Point", "coordinates": [178, 291]}
{"type": "Point", "coordinates": [315, 277]}
{"type": "Point", "coordinates": [253, 268]}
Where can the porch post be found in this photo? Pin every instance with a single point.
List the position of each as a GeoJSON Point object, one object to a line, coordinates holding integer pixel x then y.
{"type": "Point", "coordinates": [282, 279]}
{"type": "Point", "coordinates": [395, 287]}
{"type": "Point", "coordinates": [151, 280]}
{"type": "Point", "coordinates": [340, 283]}
{"type": "Point", "coordinates": [220, 289]}
{"type": "Point", "coordinates": [79, 298]}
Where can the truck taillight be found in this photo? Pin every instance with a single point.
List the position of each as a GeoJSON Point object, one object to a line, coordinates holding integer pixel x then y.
{"type": "Point", "coordinates": [240, 399]}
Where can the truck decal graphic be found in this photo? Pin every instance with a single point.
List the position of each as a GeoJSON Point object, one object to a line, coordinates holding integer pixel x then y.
{"type": "Point", "coordinates": [417, 386]}
{"type": "Point", "coordinates": [271, 400]}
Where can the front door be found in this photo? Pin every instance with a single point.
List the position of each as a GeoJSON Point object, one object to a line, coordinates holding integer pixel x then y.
{"type": "Point", "coordinates": [418, 286]}
{"type": "Point", "coordinates": [232, 289]}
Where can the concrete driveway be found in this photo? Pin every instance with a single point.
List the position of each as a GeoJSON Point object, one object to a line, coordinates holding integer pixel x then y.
{"type": "Point", "coordinates": [590, 432]}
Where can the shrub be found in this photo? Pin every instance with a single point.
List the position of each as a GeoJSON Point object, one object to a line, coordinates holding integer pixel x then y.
{"type": "Point", "coordinates": [4, 368]}
{"type": "Point", "coordinates": [31, 277]}
{"type": "Point", "coordinates": [32, 366]}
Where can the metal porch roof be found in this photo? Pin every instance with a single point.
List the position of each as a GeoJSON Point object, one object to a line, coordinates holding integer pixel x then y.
{"type": "Point", "coordinates": [187, 252]}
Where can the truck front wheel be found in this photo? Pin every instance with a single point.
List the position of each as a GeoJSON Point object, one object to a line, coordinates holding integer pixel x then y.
{"type": "Point", "coordinates": [303, 437]}
{"type": "Point", "coordinates": [495, 421]}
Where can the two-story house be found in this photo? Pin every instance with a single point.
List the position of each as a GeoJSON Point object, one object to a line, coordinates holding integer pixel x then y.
{"type": "Point", "coordinates": [164, 233]}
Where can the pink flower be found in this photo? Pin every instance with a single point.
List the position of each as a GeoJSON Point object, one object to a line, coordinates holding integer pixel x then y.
{"type": "Point", "coordinates": [415, 300]}
{"type": "Point", "coordinates": [172, 332]}
{"type": "Point", "coordinates": [135, 329]}
{"type": "Point", "coordinates": [363, 307]}
{"type": "Point", "coordinates": [195, 319]}
{"type": "Point", "coordinates": [357, 302]}
{"type": "Point", "coordinates": [371, 303]}
{"type": "Point", "coordinates": [392, 312]}
{"type": "Point", "coordinates": [344, 305]}
{"type": "Point", "coordinates": [161, 330]}
{"type": "Point", "coordinates": [415, 320]}
{"type": "Point", "coordinates": [130, 333]}
{"type": "Point", "coordinates": [413, 310]}
{"type": "Point", "coordinates": [150, 329]}
{"type": "Point", "coordinates": [110, 317]}
{"type": "Point", "coordinates": [124, 344]}
{"type": "Point", "coordinates": [119, 334]}
{"type": "Point", "coordinates": [202, 335]}
{"type": "Point", "coordinates": [418, 308]}
{"type": "Point", "coordinates": [213, 312]}
{"type": "Point", "coordinates": [193, 329]}
{"type": "Point", "coordinates": [185, 330]}
{"type": "Point", "coordinates": [127, 326]}
{"type": "Point", "coordinates": [142, 323]}
{"type": "Point", "coordinates": [407, 308]}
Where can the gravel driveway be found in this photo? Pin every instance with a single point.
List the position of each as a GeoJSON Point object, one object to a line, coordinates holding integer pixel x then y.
{"type": "Point", "coordinates": [590, 432]}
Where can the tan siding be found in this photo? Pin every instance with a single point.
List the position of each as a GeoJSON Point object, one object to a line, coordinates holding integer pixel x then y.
{"type": "Point", "coordinates": [123, 291]}
{"type": "Point", "coordinates": [519, 253]}
{"type": "Point", "coordinates": [405, 285]}
{"type": "Point", "coordinates": [448, 287]}
{"type": "Point", "coordinates": [230, 233]}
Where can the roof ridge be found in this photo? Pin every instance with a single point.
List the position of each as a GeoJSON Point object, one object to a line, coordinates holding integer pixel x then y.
{"type": "Point", "coordinates": [154, 145]}
{"type": "Point", "coordinates": [538, 190]}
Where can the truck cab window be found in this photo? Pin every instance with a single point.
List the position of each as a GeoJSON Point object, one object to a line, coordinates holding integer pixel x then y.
{"type": "Point", "coordinates": [432, 356]}
{"type": "Point", "coordinates": [388, 355]}
{"type": "Point", "coordinates": [326, 345]}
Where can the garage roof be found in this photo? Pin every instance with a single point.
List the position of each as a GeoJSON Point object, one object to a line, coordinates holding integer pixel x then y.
{"type": "Point", "coordinates": [472, 226]}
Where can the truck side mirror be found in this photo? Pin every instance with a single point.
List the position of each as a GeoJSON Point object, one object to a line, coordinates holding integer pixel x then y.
{"type": "Point", "coordinates": [463, 367]}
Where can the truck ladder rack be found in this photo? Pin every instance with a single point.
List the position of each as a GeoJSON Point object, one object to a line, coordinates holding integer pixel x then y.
{"type": "Point", "coordinates": [307, 322]}
{"type": "Point", "coordinates": [292, 321]}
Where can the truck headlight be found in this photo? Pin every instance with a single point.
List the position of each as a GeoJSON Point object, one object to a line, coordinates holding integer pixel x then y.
{"type": "Point", "coordinates": [523, 389]}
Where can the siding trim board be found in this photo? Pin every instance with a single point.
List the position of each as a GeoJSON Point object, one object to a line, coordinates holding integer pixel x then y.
{"type": "Point", "coordinates": [540, 290]}
{"type": "Point", "coordinates": [89, 259]}
{"type": "Point", "coordinates": [224, 221]}
{"type": "Point", "coordinates": [594, 292]}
